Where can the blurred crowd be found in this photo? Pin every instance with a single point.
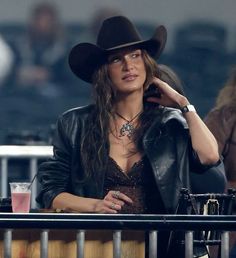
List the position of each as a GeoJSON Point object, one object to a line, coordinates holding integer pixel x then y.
{"type": "Point", "coordinates": [36, 84]}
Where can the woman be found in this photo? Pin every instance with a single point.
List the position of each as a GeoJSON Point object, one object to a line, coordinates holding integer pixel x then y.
{"type": "Point", "coordinates": [221, 120]}
{"type": "Point", "coordinates": [125, 153]}
{"type": "Point", "coordinates": [109, 157]}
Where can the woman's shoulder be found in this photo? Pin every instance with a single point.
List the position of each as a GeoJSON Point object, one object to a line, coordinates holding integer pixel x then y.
{"type": "Point", "coordinates": [73, 121]}
{"type": "Point", "coordinates": [173, 114]}
{"type": "Point", "coordinates": [166, 117]}
{"type": "Point", "coordinates": [77, 112]}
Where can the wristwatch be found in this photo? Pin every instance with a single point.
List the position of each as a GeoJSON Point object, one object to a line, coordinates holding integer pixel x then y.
{"type": "Point", "coordinates": [188, 108]}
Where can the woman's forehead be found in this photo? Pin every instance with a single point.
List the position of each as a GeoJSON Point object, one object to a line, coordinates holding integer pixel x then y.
{"type": "Point", "coordinates": [124, 51]}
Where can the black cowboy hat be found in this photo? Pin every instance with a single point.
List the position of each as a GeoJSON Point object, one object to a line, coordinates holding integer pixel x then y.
{"type": "Point", "coordinates": [116, 32]}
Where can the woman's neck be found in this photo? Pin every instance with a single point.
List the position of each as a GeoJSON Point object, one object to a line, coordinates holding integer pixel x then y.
{"type": "Point", "coordinates": [129, 107]}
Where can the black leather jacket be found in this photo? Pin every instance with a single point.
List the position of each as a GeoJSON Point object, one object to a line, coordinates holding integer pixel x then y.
{"type": "Point", "coordinates": [166, 143]}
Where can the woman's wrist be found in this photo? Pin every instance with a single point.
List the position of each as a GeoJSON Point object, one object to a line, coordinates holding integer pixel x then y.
{"type": "Point", "coordinates": [185, 106]}
{"type": "Point", "coordinates": [183, 102]}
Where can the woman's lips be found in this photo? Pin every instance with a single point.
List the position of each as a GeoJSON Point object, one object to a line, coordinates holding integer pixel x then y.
{"type": "Point", "coordinates": [129, 77]}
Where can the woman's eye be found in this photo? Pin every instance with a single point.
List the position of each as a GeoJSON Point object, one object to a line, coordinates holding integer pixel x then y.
{"type": "Point", "coordinates": [135, 55]}
{"type": "Point", "coordinates": [114, 60]}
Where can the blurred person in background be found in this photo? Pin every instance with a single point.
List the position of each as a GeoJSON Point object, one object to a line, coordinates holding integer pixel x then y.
{"type": "Point", "coordinates": [221, 120]}
{"type": "Point", "coordinates": [95, 22]}
{"type": "Point", "coordinates": [41, 65]}
{"type": "Point", "coordinates": [39, 76]}
{"type": "Point", "coordinates": [6, 61]}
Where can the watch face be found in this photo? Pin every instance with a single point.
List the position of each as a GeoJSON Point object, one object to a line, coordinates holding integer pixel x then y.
{"type": "Point", "coordinates": [188, 108]}
{"type": "Point", "coordinates": [184, 109]}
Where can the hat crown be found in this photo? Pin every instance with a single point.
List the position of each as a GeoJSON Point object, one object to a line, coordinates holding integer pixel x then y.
{"type": "Point", "coordinates": [117, 31]}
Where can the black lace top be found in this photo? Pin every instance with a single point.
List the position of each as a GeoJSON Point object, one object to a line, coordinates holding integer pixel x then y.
{"type": "Point", "coordinates": [138, 184]}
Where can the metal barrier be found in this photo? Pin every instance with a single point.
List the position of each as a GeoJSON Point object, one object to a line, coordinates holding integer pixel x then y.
{"type": "Point", "coordinates": [117, 223]}
{"type": "Point", "coordinates": [82, 222]}
{"type": "Point", "coordinates": [33, 153]}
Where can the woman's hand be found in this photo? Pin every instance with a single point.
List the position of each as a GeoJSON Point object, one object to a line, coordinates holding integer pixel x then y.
{"type": "Point", "coordinates": [168, 96]}
{"type": "Point", "coordinates": [112, 202]}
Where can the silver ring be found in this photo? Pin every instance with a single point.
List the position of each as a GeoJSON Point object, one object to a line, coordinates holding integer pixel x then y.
{"type": "Point", "coordinates": [116, 194]}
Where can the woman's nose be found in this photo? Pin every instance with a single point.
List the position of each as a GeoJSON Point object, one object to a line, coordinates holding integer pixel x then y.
{"type": "Point", "coordinates": [127, 64]}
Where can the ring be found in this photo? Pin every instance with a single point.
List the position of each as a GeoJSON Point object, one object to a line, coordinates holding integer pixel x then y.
{"type": "Point", "coordinates": [113, 205]}
{"type": "Point", "coordinates": [116, 194]}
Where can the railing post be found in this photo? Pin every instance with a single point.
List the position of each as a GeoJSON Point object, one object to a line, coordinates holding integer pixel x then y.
{"type": "Point", "coordinates": [80, 239]}
{"type": "Point", "coordinates": [225, 244]}
{"type": "Point", "coordinates": [188, 244]}
{"type": "Point", "coordinates": [44, 244]}
{"type": "Point", "coordinates": [7, 243]}
{"type": "Point", "coordinates": [117, 244]}
{"type": "Point", "coordinates": [152, 243]}
{"type": "Point", "coordinates": [33, 172]}
{"type": "Point", "coordinates": [3, 176]}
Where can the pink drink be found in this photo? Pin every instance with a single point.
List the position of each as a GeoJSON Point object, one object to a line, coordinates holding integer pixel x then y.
{"type": "Point", "coordinates": [20, 202]}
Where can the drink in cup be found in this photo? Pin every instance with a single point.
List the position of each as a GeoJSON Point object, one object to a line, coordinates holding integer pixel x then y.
{"type": "Point", "coordinates": [20, 197]}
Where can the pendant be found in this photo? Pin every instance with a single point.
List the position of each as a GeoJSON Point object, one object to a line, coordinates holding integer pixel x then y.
{"type": "Point", "coordinates": [127, 129]}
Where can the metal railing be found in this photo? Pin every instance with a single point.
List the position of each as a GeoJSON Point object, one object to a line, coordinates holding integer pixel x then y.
{"type": "Point", "coordinates": [33, 153]}
{"type": "Point", "coordinates": [83, 222]}
{"type": "Point", "coordinates": [117, 223]}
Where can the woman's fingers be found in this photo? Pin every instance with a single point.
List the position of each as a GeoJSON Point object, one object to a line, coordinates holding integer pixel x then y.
{"type": "Point", "coordinates": [120, 196]}
{"type": "Point", "coordinates": [169, 96]}
{"type": "Point", "coordinates": [105, 206]}
{"type": "Point", "coordinates": [115, 200]}
{"type": "Point", "coordinates": [161, 84]}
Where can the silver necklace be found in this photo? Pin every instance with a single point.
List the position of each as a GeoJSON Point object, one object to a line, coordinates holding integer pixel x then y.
{"type": "Point", "coordinates": [128, 127]}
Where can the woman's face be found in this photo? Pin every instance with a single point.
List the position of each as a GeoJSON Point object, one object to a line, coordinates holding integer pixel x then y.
{"type": "Point", "coordinates": [127, 70]}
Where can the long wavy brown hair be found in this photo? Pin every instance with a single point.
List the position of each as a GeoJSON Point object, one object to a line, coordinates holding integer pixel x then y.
{"type": "Point", "coordinates": [227, 95]}
{"type": "Point", "coordinates": [95, 144]}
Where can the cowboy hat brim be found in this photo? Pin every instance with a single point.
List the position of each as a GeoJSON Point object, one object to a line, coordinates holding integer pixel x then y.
{"type": "Point", "coordinates": [85, 58]}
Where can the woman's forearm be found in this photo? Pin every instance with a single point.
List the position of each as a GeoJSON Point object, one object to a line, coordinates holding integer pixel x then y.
{"type": "Point", "coordinates": [111, 203]}
{"type": "Point", "coordinates": [203, 141]}
{"type": "Point", "coordinates": [72, 203]}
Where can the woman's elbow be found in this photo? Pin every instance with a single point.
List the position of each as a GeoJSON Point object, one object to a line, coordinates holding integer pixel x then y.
{"type": "Point", "coordinates": [210, 158]}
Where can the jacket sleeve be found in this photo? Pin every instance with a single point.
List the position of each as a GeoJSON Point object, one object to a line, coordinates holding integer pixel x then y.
{"type": "Point", "coordinates": [54, 174]}
{"type": "Point", "coordinates": [196, 165]}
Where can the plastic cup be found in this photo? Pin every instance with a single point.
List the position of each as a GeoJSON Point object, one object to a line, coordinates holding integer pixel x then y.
{"type": "Point", "coordinates": [20, 197]}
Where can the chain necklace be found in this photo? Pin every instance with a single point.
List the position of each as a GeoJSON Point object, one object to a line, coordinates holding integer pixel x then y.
{"type": "Point", "coordinates": [128, 127]}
